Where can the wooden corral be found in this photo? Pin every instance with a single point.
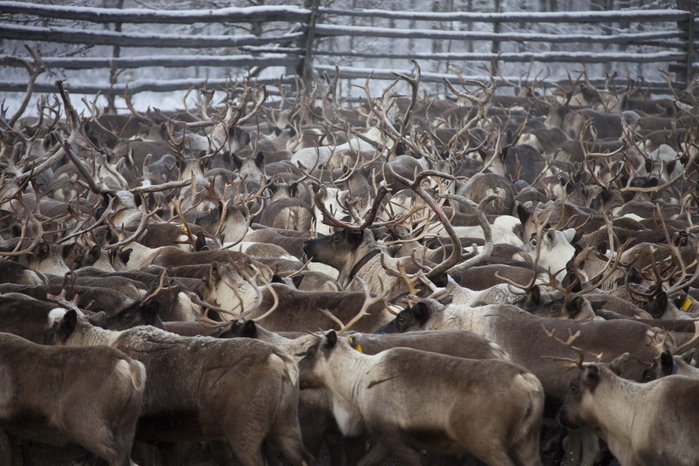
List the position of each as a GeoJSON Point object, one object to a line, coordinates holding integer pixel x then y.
{"type": "Point", "coordinates": [120, 49]}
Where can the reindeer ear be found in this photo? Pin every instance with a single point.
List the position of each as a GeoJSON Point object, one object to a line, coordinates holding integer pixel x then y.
{"type": "Point", "coordinates": [200, 243]}
{"type": "Point", "coordinates": [93, 254]}
{"type": "Point", "coordinates": [260, 159]}
{"type": "Point", "coordinates": [523, 213]}
{"type": "Point", "coordinates": [237, 161]}
{"type": "Point", "coordinates": [296, 280]}
{"type": "Point", "coordinates": [687, 356]}
{"type": "Point", "coordinates": [667, 363]}
{"type": "Point", "coordinates": [633, 275]}
{"type": "Point", "coordinates": [216, 271]}
{"type": "Point", "coordinates": [617, 365]}
{"type": "Point", "coordinates": [574, 307]}
{"type": "Point", "coordinates": [535, 294]}
{"type": "Point", "coordinates": [98, 319]}
{"type": "Point", "coordinates": [550, 236]}
{"type": "Point", "coordinates": [67, 249]}
{"type": "Point", "coordinates": [330, 339]}
{"type": "Point", "coordinates": [43, 252]}
{"type": "Point", "coordinates": [67, 325]}
{"type": "Point", "coordinates": [591, 377]}
{"type": "Point", "coordinates": [661, 300]}
{"type": "Point", "coordinates": [249, 329]}
{"type": "Point", "coordinates": [293, 189]}
{"type": "Point", "coordinates": [125, 255]}
{"type": "Point", "coordinates": [440, 280]}
{"type": "Point", "coordinates": [354, 237]}
{"type": "Point", "coordinates": [150, 311]}
{"type": "Point", "coordinates": [421, 311]}
{"type": "Point", "coordinates": [570, 235]}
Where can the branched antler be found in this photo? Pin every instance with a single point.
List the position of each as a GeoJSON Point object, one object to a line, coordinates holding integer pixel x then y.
{"type": "Point", "coordinates": [329, 219]}
{"type": "Point", "coordinates": [578, 362]}
{"type": "Point", "coordinates": [478, 211]}
{"type": "Point", "coordinates": [368, 301]}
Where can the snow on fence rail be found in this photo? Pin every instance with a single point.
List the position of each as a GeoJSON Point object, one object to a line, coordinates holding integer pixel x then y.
{"type": "Point", "coordinates": [231, 43]}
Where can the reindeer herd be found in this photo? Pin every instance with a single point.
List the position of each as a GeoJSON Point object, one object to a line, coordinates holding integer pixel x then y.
{"type": "Point", "coordinates": [272, 279]}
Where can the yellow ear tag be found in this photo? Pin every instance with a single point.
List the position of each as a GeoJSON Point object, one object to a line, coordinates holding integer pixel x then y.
{"type": "Point", "coordinates": [686, 304]}
{"type": "Point", "coordinates": [353, 343]}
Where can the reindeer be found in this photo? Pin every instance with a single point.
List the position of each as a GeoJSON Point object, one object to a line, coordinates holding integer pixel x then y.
{"type": "Point", "coordinates": [88, 396]}
{"type": "Point", "coordinates": [365, 388]}
{"type": "Point", "coordinates": [632, 416]}
{"type": "Point", "coordinates": [210, 388]}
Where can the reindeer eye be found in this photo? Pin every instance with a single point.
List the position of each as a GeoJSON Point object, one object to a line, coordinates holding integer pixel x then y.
{"type": "Point", "coordinates": [128, 316]}
{"type": "Point", "coordinates": [533, 241]}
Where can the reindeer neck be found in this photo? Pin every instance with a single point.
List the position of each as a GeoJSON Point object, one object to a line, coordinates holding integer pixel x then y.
{"type": "Point", "coordinates": [461, 295]}
{"type": "Point", "coordinates": [347, 369]}
{"type": "Point", "coordinates": [615, 420]}
{"type": "Point", "coordinates": [350, 270]}
{"type": "Point", "coordinates": [362, 262]}
{"type": "Point", "coordinates": [93, 336]}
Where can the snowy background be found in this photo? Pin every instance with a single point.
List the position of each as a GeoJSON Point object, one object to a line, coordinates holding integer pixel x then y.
{"type": "Point", "coordinates": [332, 48]}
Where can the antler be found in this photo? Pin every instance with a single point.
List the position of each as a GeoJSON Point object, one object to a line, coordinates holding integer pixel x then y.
{"type": "Point", "coordinates": [34, 69]}
{"type": "Point", "coordinates": [145, 216]}
{"type": "Point", "coordinates": [477, 210]}
{"type": "Point", "coordinates": [61, 299]}
{"type": "Point", "coordinates": [38, 236]}
{"type": "Point", "coordinates": [682, 348]}
{"type": "Point", "coordinates": [158, 289]}
{"type": "Point", "coordinates": [416, 186]}
{"type": "Point", "coordinates": [569, 343]}
{"type": "Point", "coordinates": [270, 310]}
{"type": "Point", "coordinates": [368, 301]}
{"type": "Point", "coordinates": [329, 219]}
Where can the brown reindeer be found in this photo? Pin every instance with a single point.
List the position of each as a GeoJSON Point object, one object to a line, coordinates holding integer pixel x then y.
{"type": "Point", "coordinates": [489, 408]}
{"type": "Point", "coordinates": [88, 396]}
{"type": "Point", "coordinates": [243, 391]}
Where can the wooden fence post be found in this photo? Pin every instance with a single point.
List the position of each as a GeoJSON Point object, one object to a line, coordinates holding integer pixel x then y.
{"type": "Point", "coordinates": [689, 29]}
{"type": "Point", "coordinates": [306, 69]}
{"type": "Point", "coordinates": [691, 34]}
{"type": "Point", "coordinates": [113, 71]}
{"type": "Point", "coordinates": [495, 62]}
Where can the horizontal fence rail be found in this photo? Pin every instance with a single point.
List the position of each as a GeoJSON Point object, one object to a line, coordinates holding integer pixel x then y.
{"type": "Point", "coordinates": [539, 17]}
{"type": "Point", "coordinates": [279, 44]}
{"type": "Point", "coordinates": [140, 15]}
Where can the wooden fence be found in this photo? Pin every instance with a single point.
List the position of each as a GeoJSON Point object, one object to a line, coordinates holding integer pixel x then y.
{"type": "Point", "coordinates": [111, 50]}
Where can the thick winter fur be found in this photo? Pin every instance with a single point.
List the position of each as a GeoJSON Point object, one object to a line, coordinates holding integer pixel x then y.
{"type": "Point", "coordinates": [652, 423]}
{"type": "Point", "coordinates": [524, 337]}
{"type": "Point", "coordinates": [24, 316]}
{"type": "Point", "coordinates": [409, 400]}
{"type": "Point", "coordinates": [241, 390]}
{"type": "Point", "coordinates": [88, 396]}
{"type": "Point", "coordinates": [458, 343]}
{"type": "Point", "coordinates": [301, 311]}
